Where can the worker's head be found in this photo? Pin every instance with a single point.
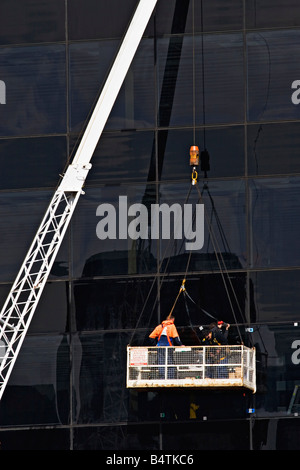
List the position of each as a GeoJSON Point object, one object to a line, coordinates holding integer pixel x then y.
{"type": "Point", "coordinates": [207, 334]}
{"type": "Point", "coordinates": [170, 317]}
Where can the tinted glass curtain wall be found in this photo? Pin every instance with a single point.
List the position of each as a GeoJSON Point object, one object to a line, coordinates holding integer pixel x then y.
{"type": "Point", "coordinates": [225, 77]}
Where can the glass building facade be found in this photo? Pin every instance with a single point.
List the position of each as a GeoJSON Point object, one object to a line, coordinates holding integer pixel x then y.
{"type": "Point", "coordinates": [224, 76]}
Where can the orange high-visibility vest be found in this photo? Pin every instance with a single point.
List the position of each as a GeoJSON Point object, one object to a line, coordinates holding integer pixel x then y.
{"type": "Point", "coordinates": [170, 330]}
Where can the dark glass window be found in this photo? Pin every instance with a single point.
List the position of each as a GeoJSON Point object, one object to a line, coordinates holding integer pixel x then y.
{"type": "Point", "coordinates": [218, 16]}
{"type": "Point", "coordinates": [52, 311]}
{"type": "Point", "coordinates": [109, 304]}
{"type": "Point", "coordinates": [224, 144]}
{"type": "Point", "coordinates": [103, 243]}
{"type": "Point", "coordinates": [133, 437]}
{"type": "Point", "coordinates": [39, 387]}
{"type": "Point", "coordinates": [127, 156]}
{"type": "Point", "coordinates": [89, 66]}
{"type": "Point", "coordinates": [29, 21]}
{"type": "Point", "coordinates": [175, 16]}
{"type": "Point", "coordinates": [272, 71]}
{"type": "Point", "coordinates": [90, 19]}
{"type": "Point", "coordinates": [273, 148]}
{"type": "Point", "coordinates": [211, 297]}
{"type": "Point", "coordinates": [223, 222]}
{"type": "Point", "coordinates": [276, 296]}
{"type": "Point", "coordinates": [272, 13]}
{"type": "Point", "coordinates": [100, 377]}
{"type": "Point", "coordinates": [35, 80]}
{"type": "Point", "coordinates": [215, 86]}
{"type": "Point", "coordinates": [229, 435]}
{"type": "Point", "coordinates": [36, 439]}
{"type": "Point", "coordinates": [276, 434]}
{"type": "Point", "coordinates": [32, 162]}
{"type": "Point", "coordinates": [274, 222]}
{"type": "Point", "coordinates": [278, 359]}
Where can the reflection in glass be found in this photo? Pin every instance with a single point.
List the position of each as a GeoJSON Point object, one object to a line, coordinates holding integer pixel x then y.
{"type": "Point", "coordinates": [102, 243]}
{"type": "Point", "coordinates": [127, 156]}
{"type": "Point", "coordinates": [89, 66]}
{"type": "Point", "coordinates": [134, 437]}
{"type": "Point", "coordinates": [272, 13]}
{"type": "Point", "coordinates": [272, 69]}
{"type": "Point", "coordinates": [28, 22]}
{"type": "Point", "coordinates": [273, 148]}
{"type": "Point", "coordinates": [220, 79]}
{"type": "Point", "coordinates": [217, 16]}
{"type": "Point", "coordinates": [274, 222]}
{"type": "Point", "coordinates": [225, 147]}
{"type": "Point", "coordinates": [99, 377]}
{"type": "Point", "coordinates": [93, 20]}
{"type": "Point", "coordinates": [36, 94]}
{"type": "Point", "coordinates": [32, 163]}
{"type": "Point", "coordinates": [38, 390]}
{"type": "Point", "coordinates": [278, 359]}
{"type": "Point", "coordinates": [110, 304]}
{"type": "Point", "coordinates": [224, 223]}
{"type": "Point", "coordinates": [276, 295]}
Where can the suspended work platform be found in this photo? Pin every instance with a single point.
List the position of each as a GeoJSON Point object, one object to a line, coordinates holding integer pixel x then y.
{"type": "Point", "coordinates": [192, 366]}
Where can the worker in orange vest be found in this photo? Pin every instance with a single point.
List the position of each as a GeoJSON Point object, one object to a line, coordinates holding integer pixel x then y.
{"type": "Point", "coordinates": [166, 333]}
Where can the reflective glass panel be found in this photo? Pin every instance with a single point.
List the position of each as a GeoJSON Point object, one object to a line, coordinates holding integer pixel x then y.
{"type": "Point", "coordinates": [31, 21]}
{"type": "Point", "coordinates": [273, 75]}
{"type": "Point", "coordinates": [32, 162]}
{"type": "Point", "coordinates": [110, 234]}
{"type": "Point", "coordinates": [214, 86]}
{"type": "Point", "coordinates": [273, 148]}
{"type": "Point", "coordinates": [225, 146]}
{"type": "Point", "coordinates": [93, 20]}
{"type": "Point", "coordinates": [100, 377]}
{"type": "Point", "coordinates": [274, 209]}
{"type": "Point", "coordinates": [276, 434]}
{"type": "Point", "coordinates": [276, 296]}
{"type": "Point", "coordinates": [36, 439]}
{"type": "Point", "coordinates": [228, 435]}
{"type": "Point", "coordinates": [278, 361]}
{"type": "Point", "coordinates": [35, 84]}
{"type": "Point", "coordinates": [89, 66]}
{"type": "Point", "coordinates": [134, 438]}
{"type": "Point", "coordinates": [272, 13]}
{"type": "Point", "coordinates": [220, 229]}
{"type": "Point", "coordinates": [123, 156]}
{"type": "Point", "coordinates": [38, 388]}
{"type": "Point", "coordinates": [177, 16]}
{"type": "Point", "coordinates": [108, 304]}
{"type": "Point", "coordinates": [209, 298]}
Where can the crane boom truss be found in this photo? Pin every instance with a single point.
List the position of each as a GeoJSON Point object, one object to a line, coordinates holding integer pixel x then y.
{"type": "Point", "coordinates": [21, 303]}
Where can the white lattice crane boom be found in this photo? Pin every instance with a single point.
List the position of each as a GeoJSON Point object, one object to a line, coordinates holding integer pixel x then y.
{"type": "Point", "coordinates": [21, 303]}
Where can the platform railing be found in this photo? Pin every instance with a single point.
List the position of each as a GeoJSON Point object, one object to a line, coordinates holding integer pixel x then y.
{"type": "Point", "coordinates": [192, 366]}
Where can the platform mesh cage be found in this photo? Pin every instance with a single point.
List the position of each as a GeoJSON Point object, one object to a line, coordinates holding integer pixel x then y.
{"type": "Point", "coordinates": [191, 366]}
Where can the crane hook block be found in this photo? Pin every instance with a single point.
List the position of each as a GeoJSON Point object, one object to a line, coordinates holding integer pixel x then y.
{"type": "Point", "coordinates": [194, 155]}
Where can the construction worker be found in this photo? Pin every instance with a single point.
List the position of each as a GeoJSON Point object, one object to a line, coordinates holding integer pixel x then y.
{"type": "Point", "coordinates": [215, 335]}
{"type": "Point", "coordinates": [166, 333]}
